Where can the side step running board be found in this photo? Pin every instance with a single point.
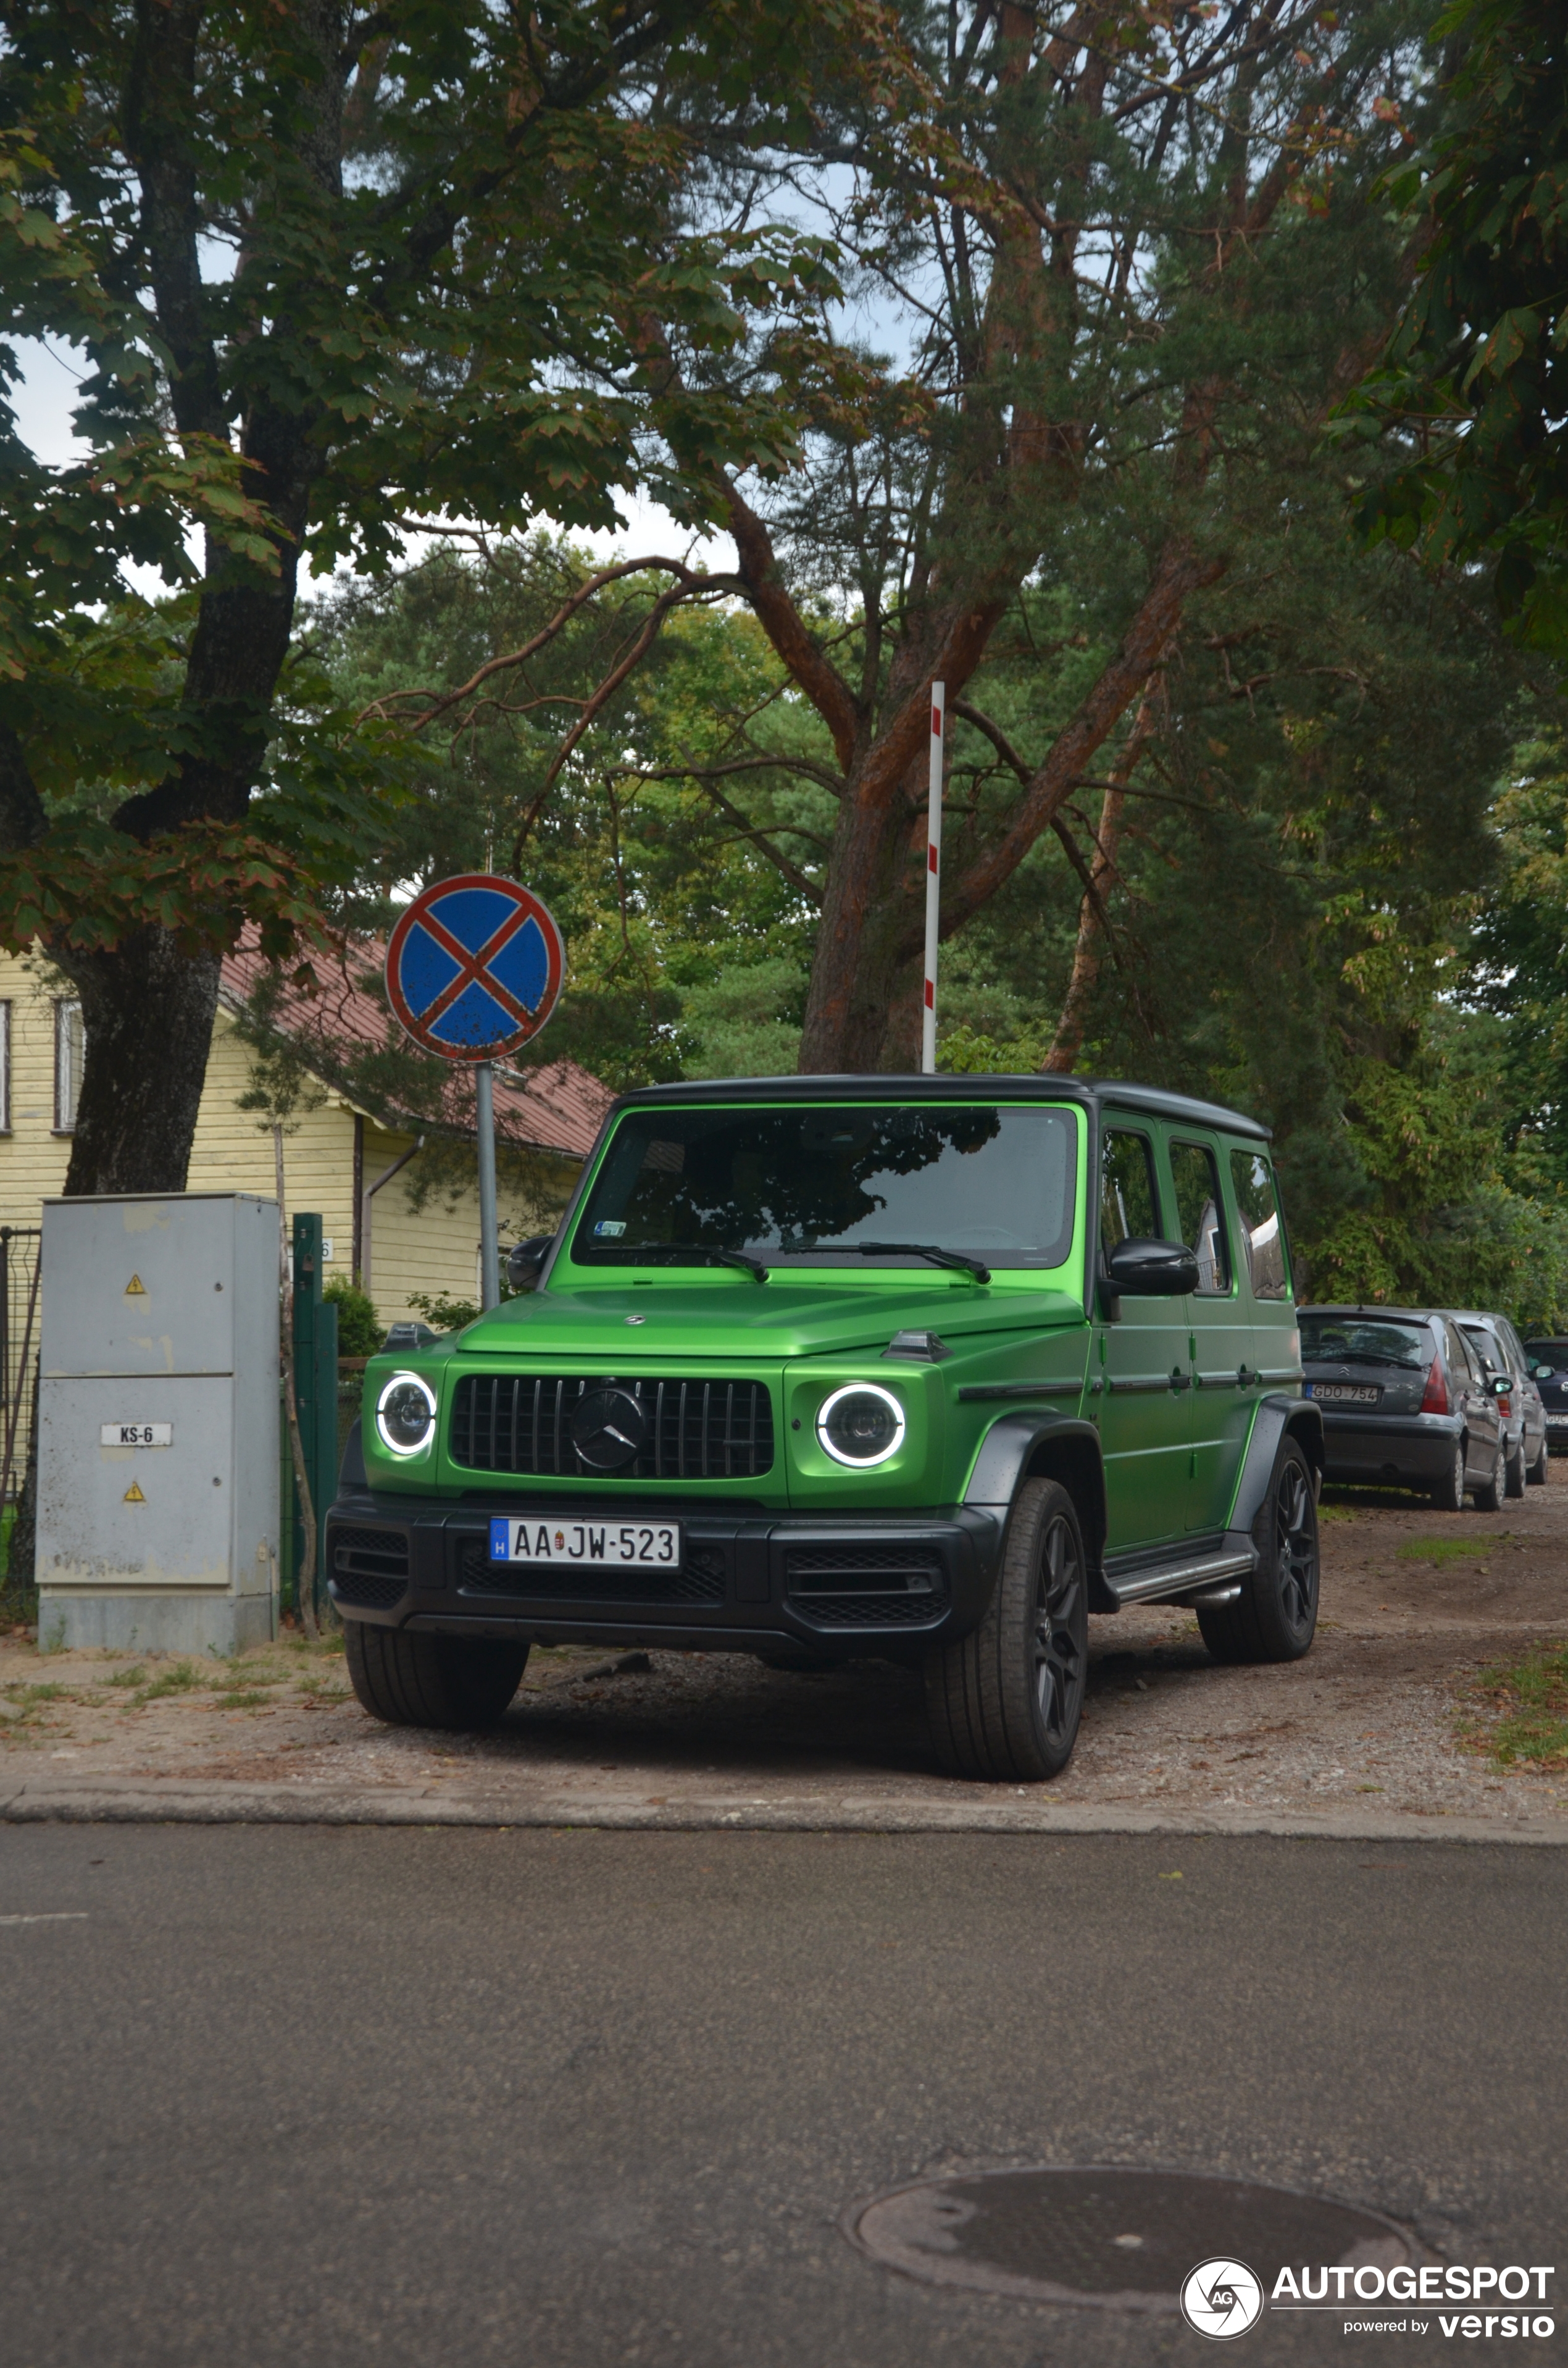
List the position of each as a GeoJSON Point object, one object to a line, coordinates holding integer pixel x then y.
{"type": "Point", "coordinates": [1185, 1581]}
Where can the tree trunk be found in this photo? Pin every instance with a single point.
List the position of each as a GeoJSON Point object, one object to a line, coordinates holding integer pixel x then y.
{"type": "Point", "coordinates": [147, 1015]}
{"type": "Point", "coordinates": [1089, 953]}
{"type": "Point", "coordinates": [147, 1009]}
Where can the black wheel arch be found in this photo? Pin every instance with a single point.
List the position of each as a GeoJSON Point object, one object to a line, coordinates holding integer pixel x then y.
{"type": "Point", "coordinates": [1279, 1418]}
{"type": "Point", "coordinates": [1037, 1446]}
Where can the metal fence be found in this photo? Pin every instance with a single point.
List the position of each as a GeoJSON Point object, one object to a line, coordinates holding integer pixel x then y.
{"type": "Point", "coordinates": [20, 1247]}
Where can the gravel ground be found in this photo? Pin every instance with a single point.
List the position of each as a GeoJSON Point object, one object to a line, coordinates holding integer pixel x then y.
{"type": "Point", "coordinates": [1372, 1721]}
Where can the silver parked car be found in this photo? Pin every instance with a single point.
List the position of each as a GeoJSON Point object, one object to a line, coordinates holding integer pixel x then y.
{"type": "Point", "coordinates": [1521, 1408]}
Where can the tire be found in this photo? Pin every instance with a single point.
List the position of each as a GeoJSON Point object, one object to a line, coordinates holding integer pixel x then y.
{"type": "Point", "coordinates": [1536, 1474]}
{"type": "Point", "coordinates": [1447, 1494]}
{"type": "Point", "coordinates": [1005, 1702]}
{"type": "Point", "coordinates": [450, 1682]}
{"type": "Point", "coordinates": [1489, 1495]}
{"type": "Point", "coordinates": [1515, 1469]}
{"type": "Point", "coordinates": [1276, 1614]}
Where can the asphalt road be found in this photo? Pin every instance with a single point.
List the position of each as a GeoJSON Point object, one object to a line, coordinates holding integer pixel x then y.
{"type": "Point", "coordinates": [568, 2099]}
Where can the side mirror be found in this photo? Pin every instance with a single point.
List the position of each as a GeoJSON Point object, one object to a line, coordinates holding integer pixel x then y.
{"type": "Point", "coordinates": [1139, 1269]}
{"type": "Point", "coordinates": [524, 1261]}
{"type": "Point", "coordinates": [1542, 1372]}
{"type": "Point", "coordinates": [1500, 1385]}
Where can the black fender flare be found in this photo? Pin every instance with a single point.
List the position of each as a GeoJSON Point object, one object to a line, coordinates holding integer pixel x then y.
{"type": "Point", "coordinates": [1025, 1446]}
{"type": "Point", "coordinates": [1279, 1417]}
{"type": "Point", "coordinates": [351, 1470]}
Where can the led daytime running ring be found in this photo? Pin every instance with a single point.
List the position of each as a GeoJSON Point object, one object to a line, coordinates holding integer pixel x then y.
{"type": "Point", "coordinates": [405, 1447]}
{"type": "Point", "coordinates": [860, 1390]}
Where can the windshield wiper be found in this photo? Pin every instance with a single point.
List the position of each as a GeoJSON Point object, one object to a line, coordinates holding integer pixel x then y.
{"type": "Point", "coordinates": [743, 1259]}
{"type": "Point", "coordinates": [959, 1259]}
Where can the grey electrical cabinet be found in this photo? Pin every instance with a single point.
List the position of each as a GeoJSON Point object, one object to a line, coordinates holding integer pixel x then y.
{"type": "Point", "coordinates": [158, 1414]}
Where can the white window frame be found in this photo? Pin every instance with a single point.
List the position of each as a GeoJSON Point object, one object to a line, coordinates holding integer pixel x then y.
{"type": "Point", "coordinates": [4, 1065]}
{"type": "Point", "coordinates": [67, 1090]}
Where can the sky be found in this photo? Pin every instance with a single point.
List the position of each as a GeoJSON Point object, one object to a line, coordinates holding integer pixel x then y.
{"type": "Point", "coordinates": [46, 393]}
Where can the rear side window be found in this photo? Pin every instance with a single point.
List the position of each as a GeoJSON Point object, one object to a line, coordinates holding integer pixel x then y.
{"type": "Point", "coordinates": [1554, 1353]}
{"type": "Point", "coordinates": [1263, 1233]}
{"type": "Point", "coordinates": [1126, 1188]}
{"type": "Point", "coordinates": [1463, 1355]}
{"type": "Point", "coordinates": [1200, 1213]}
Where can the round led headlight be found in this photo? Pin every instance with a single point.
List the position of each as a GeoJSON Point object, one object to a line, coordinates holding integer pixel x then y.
{"type": "Point", "coordinates": [860, 1423]}
{"type": "Point", "coordinates": [405, 1414]}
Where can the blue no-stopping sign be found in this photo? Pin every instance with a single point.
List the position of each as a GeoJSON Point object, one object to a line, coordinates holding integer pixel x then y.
{"type": "Point", "coordinates": [474, 967]}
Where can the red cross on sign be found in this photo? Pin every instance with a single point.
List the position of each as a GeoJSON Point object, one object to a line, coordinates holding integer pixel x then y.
{"type": "Point", "coordinates": [474, 967]}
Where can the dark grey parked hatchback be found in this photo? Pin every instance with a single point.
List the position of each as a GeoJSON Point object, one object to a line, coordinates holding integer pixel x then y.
{"type": "Point", "coordinates": [1405, 1403]}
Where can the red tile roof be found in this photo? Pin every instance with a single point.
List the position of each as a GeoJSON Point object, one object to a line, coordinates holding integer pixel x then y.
{"type": "Point", "coordinates": [345, 1023]}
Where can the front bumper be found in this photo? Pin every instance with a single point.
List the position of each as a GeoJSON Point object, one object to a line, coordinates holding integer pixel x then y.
{"type": "Point", "coordinates": [1395, 1447]}
{"type": "Point", "coordinates": [750, 1580]}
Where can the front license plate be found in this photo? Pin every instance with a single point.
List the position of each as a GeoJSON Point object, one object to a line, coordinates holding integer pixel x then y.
{"type": "Point", "coordinates": [1557, 1422]}
{"type": "Point", "coordinates": [1345, 1393]}
{"type": "Point", "coordinates": [643, 1545]}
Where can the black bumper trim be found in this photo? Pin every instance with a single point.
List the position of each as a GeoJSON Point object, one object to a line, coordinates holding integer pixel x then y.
{"type": "Point", "coordinates": [845, 1584]}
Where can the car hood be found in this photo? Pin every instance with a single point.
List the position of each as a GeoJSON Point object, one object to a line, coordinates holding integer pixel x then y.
{"type": "Point", "coordinates": [742, 1320]}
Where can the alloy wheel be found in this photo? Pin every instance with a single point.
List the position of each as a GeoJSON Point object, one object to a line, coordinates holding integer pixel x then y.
{"type": "Point", "coordinates": [1058, 1651]}
{"type": "Point", "coordinates": [1295, 1539]}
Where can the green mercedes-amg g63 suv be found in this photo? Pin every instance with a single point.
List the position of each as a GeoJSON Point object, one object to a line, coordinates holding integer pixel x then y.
{"type": "Point", "coordinates": [928, 1367]}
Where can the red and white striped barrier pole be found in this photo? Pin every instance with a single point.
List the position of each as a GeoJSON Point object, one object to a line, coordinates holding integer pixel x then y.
{"type": "Point", "coordinates": [933, 881]}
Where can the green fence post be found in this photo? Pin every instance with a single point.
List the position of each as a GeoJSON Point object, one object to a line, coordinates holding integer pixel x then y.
{"type": "Point", "coordinates": [315, 1386]}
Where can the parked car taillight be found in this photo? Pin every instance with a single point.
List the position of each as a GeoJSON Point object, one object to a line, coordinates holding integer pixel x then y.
{"type": "Point", "coordinates": [1436, 1400]}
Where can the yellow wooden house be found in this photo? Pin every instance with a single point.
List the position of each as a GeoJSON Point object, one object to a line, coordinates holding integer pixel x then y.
{"type": "Point", "coordinates": [397, 1193]}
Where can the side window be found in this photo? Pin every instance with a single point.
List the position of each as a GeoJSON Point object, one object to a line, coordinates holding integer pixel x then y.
{"type": "Point", "coordinates": [1200, 1213]}
{"type": "Point", "coordinates": [1126, 1188]}
{"type": "Point", "coordinates": [1263, 1235]}
{"type": "Point", "coordinates": [1466, 1367]}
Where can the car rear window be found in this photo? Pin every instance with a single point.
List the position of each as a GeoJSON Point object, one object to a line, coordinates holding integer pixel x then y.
{"type": "Point", "coordinates": [1365, 1340]}
{"type": "Point", "coordinates": [1548, 1353]}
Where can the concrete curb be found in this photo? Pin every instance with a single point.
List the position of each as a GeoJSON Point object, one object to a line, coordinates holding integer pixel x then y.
{"type": "Point", "coordinates": [128, 1801]}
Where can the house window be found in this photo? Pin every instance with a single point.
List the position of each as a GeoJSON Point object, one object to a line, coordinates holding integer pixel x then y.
{"type": "Point", "coordinates": [4, 1068]}
{"type": "Point", "coordinates": [69, 1045]}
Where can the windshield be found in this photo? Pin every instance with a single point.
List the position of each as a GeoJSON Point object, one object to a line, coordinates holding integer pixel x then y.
{"type": "Point", "coordinates": [809, 1185]}
{"type": "Point", "coordinates": [1360, 1341]}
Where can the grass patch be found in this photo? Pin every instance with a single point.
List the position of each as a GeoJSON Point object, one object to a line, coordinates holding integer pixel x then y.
{"type": "Point", "coordinates": [135, 1675]}
{"type": "Point", "coordinates": [243, 1699]}
{"type": "Point", "coordinates": [181, 1680]}
{"type": "Point", "coordinates": [50, 1692]}
{"type": "Point", "coordinates": [1337, 1513]}
{"type": "Point", "coordinates": [1441, 1549]}
{"type": "Point", "coordinates": [1526, 1702]}
{"type": "Point", "coordinates": [325, 1689]}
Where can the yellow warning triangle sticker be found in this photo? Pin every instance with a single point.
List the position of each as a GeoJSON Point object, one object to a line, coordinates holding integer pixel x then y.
{"type": "Point", "coordinates": [136, 1288]}
{"type": "Point", "coordinates": [133, 1495]}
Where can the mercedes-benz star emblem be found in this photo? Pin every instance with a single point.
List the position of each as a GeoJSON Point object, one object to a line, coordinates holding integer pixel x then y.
{"type": "Point", "coordinates": [608, 1429]}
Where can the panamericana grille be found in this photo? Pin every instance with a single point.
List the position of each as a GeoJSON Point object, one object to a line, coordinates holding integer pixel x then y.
{"type": "Point", "coordinates": [370, 1566]}
{"type": "Point", "coordinates": [696, 1431]}
{"type": "Point", "coordinates": [865, 1587]}
{"type": "Point", "coordinates": [700, 1581]}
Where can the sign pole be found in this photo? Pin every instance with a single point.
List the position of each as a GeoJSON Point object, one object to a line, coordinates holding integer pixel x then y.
{"type": "Point", "coordinates": [489, 1238]}
{"type": "Point", "coordinates": [933, 881]}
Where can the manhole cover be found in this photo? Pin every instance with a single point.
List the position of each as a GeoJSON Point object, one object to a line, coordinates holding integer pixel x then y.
{"type": "Point", "coordinates": [1115, 2240]}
